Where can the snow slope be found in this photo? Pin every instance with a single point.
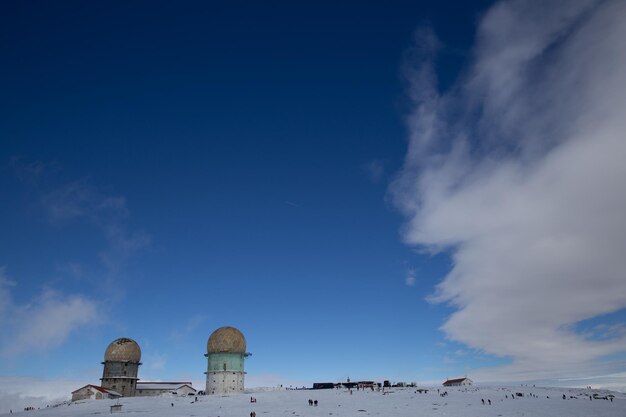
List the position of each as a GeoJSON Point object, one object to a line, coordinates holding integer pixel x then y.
{"type": "Point", "coordinates": [398, 402]}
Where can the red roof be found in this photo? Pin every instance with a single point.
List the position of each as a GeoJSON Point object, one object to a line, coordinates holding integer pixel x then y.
{"type": "Point", "coordinates": [96, 387]}
{"type": "Point", "coordinates": [455, 381]}
{"type": "Point", "coordinates": [162, 382]}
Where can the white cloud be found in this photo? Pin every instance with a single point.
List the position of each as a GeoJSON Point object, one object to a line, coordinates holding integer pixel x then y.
{"type": "Point", "coordinates": [519, 173]}
{"type": "Point", "coordinates": [44, 322]}
{"type": "Point", "coordinates": [18, 392]}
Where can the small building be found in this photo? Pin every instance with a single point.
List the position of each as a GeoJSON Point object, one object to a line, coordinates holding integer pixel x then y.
{"type": "Point", "coordinates": [458, 382]}
{"type": "Point", "coordinates": [152, 389]}
{"type": "Point", "coordinates": [94, 392]}
{"type": "Point", "coordinates": [323, 385]}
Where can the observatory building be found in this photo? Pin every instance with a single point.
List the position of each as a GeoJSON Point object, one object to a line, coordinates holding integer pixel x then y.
{"type": "Point", "coordinates": [226, 350]}
{"type": "Point", "coordinates": [121, 364]}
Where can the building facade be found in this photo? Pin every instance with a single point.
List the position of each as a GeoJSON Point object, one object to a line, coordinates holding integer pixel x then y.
{"type": "Point", "coordinates": [226, 351]}
{"type": "Point", "coordinates": [459, 382]}
{"type": "Point", "coordinates": [93, 392]}
{"type": "Point", "coordinates": [121, 366]}
{"type": "Point", "coordinates": [153, 389]}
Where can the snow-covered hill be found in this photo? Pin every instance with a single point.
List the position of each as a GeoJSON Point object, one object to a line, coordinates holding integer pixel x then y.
{"type": "Point", "coordinates": [397, 402]}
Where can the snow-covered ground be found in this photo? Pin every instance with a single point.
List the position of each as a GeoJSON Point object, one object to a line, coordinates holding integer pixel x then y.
{"type": "Point", "coordinates": [397, 402]}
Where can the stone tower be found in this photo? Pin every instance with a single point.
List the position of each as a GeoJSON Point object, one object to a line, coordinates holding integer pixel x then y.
{"type": "Point", "coordinates": [226, 350]}
{"type": "Point", "coordinates": [121, 365]}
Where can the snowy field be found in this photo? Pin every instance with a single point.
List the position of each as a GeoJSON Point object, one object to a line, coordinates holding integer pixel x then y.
{"type": "Point", "coordinates": [400, 402]}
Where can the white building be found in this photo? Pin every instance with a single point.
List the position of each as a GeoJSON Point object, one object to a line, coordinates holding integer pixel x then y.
{"type": "Point", "coordinates": [459, 382]}
{"type": "Point", "coordinates": [151, 389]}
{"type": "Point", "coordinates": [94, 392]}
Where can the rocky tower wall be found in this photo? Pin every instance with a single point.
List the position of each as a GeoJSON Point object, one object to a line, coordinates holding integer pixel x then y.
{"type": "Point", "coordinates": [120, 377]}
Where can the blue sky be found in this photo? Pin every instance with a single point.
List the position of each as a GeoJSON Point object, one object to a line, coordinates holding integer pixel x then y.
{"type": "Point", "coordinates": [364, 190]}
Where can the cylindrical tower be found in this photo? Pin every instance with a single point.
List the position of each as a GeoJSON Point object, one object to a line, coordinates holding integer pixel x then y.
{"type": "Point", "coordinates": [121, 365]}
{"type": "Point", "coordinates": [226, 350]}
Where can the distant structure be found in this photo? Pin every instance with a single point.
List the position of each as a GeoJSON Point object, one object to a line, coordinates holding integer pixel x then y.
{"type": "Point", "coordinates": [93, 392]}
{"type": "Point", "coordinates": [346, 384]}
{"type": "Point", "coordinates": [121, 365]}
{"type": "Point", "coordinates": [458, 382]}
{"type": "Point", "coordinates": [226, 351]}
{"type": "Point", "coordinates": [152, 389]}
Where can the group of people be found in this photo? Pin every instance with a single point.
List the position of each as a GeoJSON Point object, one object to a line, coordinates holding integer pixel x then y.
{"type": "Point", "coordinates": [253, 413]}
{"type": "Point", "coordinates": [313, 402]}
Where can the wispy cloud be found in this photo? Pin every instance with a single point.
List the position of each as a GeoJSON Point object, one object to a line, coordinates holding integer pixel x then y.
{"type": "Point", "coordinates": [409, 280]}
{"type": "Point", "coordinates": [44, 322]}
{"type": "Point", "coordinates": [53, 313]}
{"type": "Point", "coordinates": [79, 200]}
{"type": "Point", "coordinates": [31, 172]}
{"type": "Point", "coordinates": [518, 172]}
{"type": "Point", "coordinates": [156, 361]}
{"type": "Point", "coordinates": [375, 170]}
{"type": "Point", "coordinates": [5, 295]}
{"type": "Point", "coordinates": [73, 269]}
{"type": "Point", "coordinates": [189, 326]}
